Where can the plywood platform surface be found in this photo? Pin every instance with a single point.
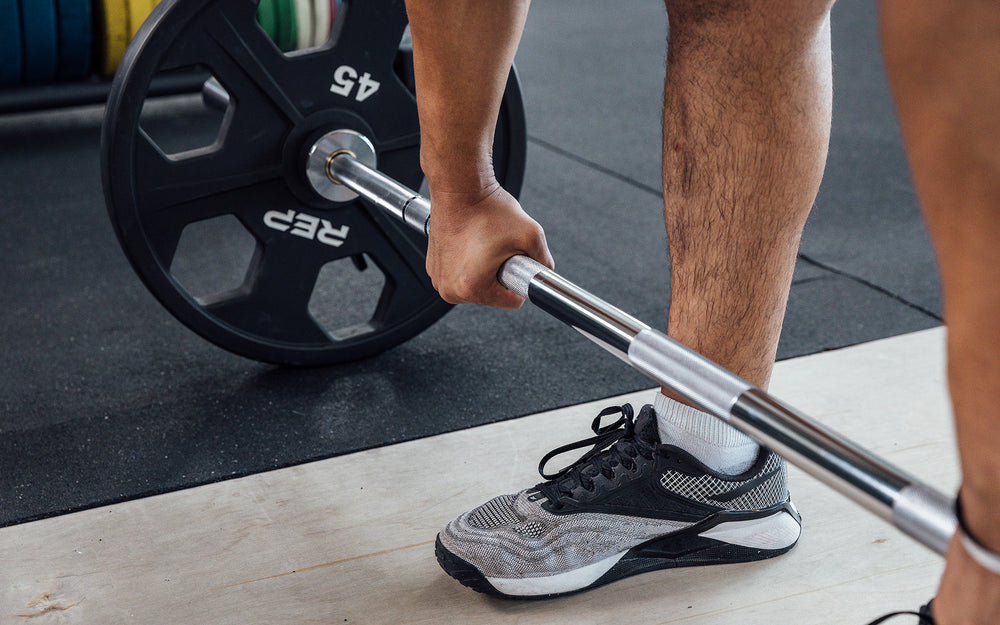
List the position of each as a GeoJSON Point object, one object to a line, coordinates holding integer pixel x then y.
{"type": "Point", "coordinates": [350, 539]}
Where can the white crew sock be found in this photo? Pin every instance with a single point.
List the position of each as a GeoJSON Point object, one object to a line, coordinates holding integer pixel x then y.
{"type": "Point", "coordinates": [715, 443]}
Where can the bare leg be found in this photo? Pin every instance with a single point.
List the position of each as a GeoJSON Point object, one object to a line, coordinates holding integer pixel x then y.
{"type": "Point", "coordinates": [942, 58]}
{"type": "Point", "coordinates": [746, 126]}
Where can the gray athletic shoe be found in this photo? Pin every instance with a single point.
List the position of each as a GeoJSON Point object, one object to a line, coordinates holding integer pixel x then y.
{"type": "Point", "coordinates": [630, 505]}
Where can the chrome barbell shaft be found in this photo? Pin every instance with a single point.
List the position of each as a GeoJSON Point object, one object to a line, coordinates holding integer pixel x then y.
{"type": "Point", "coordinates": [912, 506]}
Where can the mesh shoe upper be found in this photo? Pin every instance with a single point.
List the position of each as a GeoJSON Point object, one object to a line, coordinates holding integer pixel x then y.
{"type": "Point", "coordinates": [514, 536]}
{"type": "Point", "coordinates": [627, 490]}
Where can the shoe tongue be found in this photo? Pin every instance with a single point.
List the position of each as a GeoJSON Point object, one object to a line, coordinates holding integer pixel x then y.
{"type": "Point", "coordinates": [645, 426]}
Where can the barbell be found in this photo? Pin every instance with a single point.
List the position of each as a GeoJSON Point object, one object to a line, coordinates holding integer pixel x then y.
{"type": "Point", "coordinates": [316, 158]}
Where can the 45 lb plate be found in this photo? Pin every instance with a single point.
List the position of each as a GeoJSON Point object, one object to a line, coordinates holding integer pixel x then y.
{"type": "Point", "coordinates": [210, 199]}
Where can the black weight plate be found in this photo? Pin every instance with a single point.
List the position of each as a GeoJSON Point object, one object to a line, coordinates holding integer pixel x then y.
{"type": "Point", "coordinates": [252, 174]}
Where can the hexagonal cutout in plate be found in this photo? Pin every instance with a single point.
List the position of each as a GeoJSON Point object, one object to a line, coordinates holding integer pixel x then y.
{"type": "Point", "coordinates": [213, 258]}
{"type": "Point", "coordinates": [184, 126]}
{"type": "Point", "coordinates": [346, 295]}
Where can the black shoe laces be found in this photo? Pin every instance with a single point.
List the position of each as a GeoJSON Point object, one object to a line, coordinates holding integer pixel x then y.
{"type": "Point", "coordinates": [615, 445]}
{"type": "Point", "coordinates": [924, 616]}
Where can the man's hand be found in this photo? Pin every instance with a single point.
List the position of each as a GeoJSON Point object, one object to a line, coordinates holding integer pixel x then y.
{"type": "Point", "coordinates": [471, 235]}
{"type": "Point", "coordinates": [462, 55]}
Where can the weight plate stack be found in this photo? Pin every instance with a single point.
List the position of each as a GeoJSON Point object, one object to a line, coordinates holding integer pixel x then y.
{"type": "Point", "coordinates": [267, 16]}
{"type": "Point", "coordinates": [41, 41]}
{"type": "Point", "coordinates": [75, 39]}
{"type": "Point", "coordinates": [250, 177]}
{"type": "Point", "coordinates": [113, 26]}
{"type": "Point", "coordinates": [11, 62]}
{"type": "Point", "coordinates": [138, 11]}
{"type": "Point", "coordinates": [303, 24]}
{"type": "Point", "coordinates": [287, 35]}
{"type": "Point", "coordinates": [321, 21]}
{"type": "Point", "coordinates": [135, 10]}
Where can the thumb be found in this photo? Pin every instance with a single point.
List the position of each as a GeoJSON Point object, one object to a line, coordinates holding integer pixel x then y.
{"type": "Point", "coordinates": [539, 250]}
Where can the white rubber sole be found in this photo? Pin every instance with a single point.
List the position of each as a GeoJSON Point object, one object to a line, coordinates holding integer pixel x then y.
{"type": "Point", "coordinates": [556, 584]}
{"type": "Point", "coordinates": [776, 532]}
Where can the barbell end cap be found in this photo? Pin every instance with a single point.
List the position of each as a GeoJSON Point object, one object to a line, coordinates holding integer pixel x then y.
{"type": "Point", "coordinates": [323, 156]}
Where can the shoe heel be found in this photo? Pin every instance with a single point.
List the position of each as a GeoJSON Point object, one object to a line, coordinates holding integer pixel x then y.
{"type": "Point", "coordinates": [739, 540]}
{"type": "Point", "coordinates": [775, 532]}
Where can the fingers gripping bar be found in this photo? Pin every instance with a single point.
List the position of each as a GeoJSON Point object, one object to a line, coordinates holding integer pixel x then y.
{"type": "Point", "coordinates": [913, 507]}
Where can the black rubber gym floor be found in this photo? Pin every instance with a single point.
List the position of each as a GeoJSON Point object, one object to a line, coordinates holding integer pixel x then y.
{"type": "Point", "coordinates": [105, 397]}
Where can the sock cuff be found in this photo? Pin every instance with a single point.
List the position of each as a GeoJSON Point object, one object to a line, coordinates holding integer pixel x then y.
{"type": "Point", "coordinates": [702, 425]}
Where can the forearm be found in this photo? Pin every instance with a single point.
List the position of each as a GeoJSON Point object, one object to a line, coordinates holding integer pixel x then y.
{"type": "Point", "coordinates": [462, 50]}
{"type": "Point", "coordinates": [947, 108]}
{"type": "Point", "coordinates": [974, 378]}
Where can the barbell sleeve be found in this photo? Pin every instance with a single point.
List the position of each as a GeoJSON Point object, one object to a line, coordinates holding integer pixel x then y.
{"type": "Point", "coordinates": [915, 508]}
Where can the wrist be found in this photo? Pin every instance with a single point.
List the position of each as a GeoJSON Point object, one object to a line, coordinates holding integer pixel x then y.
{"type": "Point", "coordinates": [985, 555]}
{"type": "Point", "coordinates": [455, 168]}
{"type": "Point", "coordinates": [980, 513]}
{"type": "Point", "coordinates": [463, 183]}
